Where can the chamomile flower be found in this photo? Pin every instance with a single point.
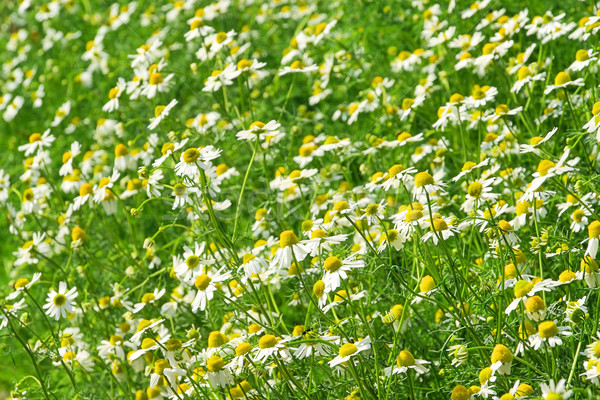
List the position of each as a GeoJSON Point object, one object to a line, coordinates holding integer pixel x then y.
{"type": "Point", "coordinates": [219, 78]}
{"type": "Point", "coordinates": [406, 361]}
{"type": "Point", "coordinates": [23, 284]}
{"type": "Point", "coordinates": [260, 130]}
{"type": "Point", "coordinates": [524, 289]}
{"type": "Point", "coordinates": [37, 142]}
{"type": "Point", "coordinates": [160, 112]}
{"type": "Point", "coordinates": [193, 159]}
{"type": "Point", "coordinates": [501, 359]}
{"type": "Point", "coordinates": [468, 167]}
{"type": "Point", "coordinates": [61, 302]}
{"type": "Point", "coordinates": [271, 346]}
{"type": "Point", "coordinates": [593, 233]}
{"type": "Point", "coordinates": [336, 270]}
{"type": "Point", "coordinates": [536, 142]}
{"type": "Point", "coordinates": [298, 67]}
{"type": "Point", "coordinates": [563, 81]}
{"type": "Point", "coordinates": [206, 286]}
{"type": "Point", "coordinates": [549, 333]}
{"type": "Point", "coordinates": [149, 298]}
{"type": "Point", "coordinates": [589, 271]}
{"type": "Point", "coordinates": [350, 350]}
{"type": "Point", "coordinates": [290, 249]}
{"type": "Point", "coordinates": [552, 390]}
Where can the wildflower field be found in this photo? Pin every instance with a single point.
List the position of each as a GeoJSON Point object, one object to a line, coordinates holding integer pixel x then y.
{"type": "Point", "coordinates": [286, 199]}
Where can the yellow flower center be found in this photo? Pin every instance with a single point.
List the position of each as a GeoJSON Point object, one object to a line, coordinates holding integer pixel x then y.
{"type": "Point", "coordinates": [475, 189]}
{"type": "Point", "coordinates": [535, 304]}
{"type": "Point", "coordinates": [115, 340]}
{"type": "Point", "coordinates": [216, 339]}
{"type": "Point", "coordinates": [589, 265]}
{"type": "Point", "coordinates": [460, 393]}
{"type": "Point", "coordinates": [395, 170]}
{"type": "Point", "coordinates": [267, 341]}
{"type": "Point", "coordinates": [522, 288]}
{"type": "Point", "coordinates": [191, 155]}
{"type": "Point", "coordinates": [173, 344]}
{"type": "Point", "coordinates": [179, 189]}
{"type": "Point", "coordinates": [582, 55]}
{"type": "Point", "coordinates": [547, 329]}
{"type": "Point", "coordinates": [423, 178]}
{"type": "Point", "coordinates": [287, 238]}
{"type": "Point", "coordinates": [439, 224]}
{"type": "Point", "coordinates": [405, 359]}
{"type": "Point", "coordinates": [578, 215]}
{"type": "Point", "coordinates": [501, 353]}
{"type": "Point", "coordinates": [147, 298]}
{"type": "Point", "coordinates": [155, 78]}
{"type": "Point", "coordinates": [21, 283]}
{"type": "Point", "coordinates": [202, 282]}
{"type": "Point", "coordinates": [319, 288]}
{"type": "Point", "coordinates": [215, 364]}
{"type": "Point", "coordinates": [332, 264]}
{"type": "Point", "coordinates": [221, 36]}
{"type": "Point", "coordinates": [427, 284]}
{"type": "Point", "coordinates": [192, 261]}
{"type": "Point", "coordinates": [594, 229]}
{"type": "Point", "coordinates": [544, 166]}
{"type": "Point", "coordinates": [59, 300]}
{"type": "Point", "coordinates": [562, 78]}
{"type": "Point", "coordinates": [505, 226]}
{"type": "Point", "coordinates": [243, 348]}
{"type": "Point", "coordinates": [112, 93]}
{"type": "Point", "coordinates": [566, 276]}
{"type": "Point", "coordinates": [348, 349]}
{"type": "Point", "coordinates": [407, 103]}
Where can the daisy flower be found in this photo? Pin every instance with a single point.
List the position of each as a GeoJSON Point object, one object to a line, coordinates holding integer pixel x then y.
{"type": "Point", "coordinates": [583, 58]}
{"type": "Point", "coordinates": [593, 233]}
{"type": "Point", "coordinates": [406, 361]}
{"type": "Point", "coordinates": [10, 310]}
{"type": "Point", "coordinates": [501, 359]}
{"type": "Point", "coordinates": [259, 129]}
{"type": "Point", "coordinates": [439, 229]}
{"type": "Point", "coordinates": [192, 159]}
{"type": "Point", "coordinates": [425, 183]}
{"type": "Point", "coordinates": [206, 285]}
{"type": "Point", "coordinates": [563, 81]}
{"type": "Point", "coordinates": [289, 248]}
{"type": "Point", "coordinates": [589, 271]}
{"type": "Point", "coordinates": [525, 77]}
{"type": "Point", "coordinates": [149, 298]}
{"type": "Point", "coordinates": [336, 270]}
{"type": "Point", "coordinates": [58, 304]}
{"type": "Point", "coordinates": [270, 345]}
{"type": "Point", "coordinates": [168, 149]}
{"type": "Point", "coordinates": [298, 67]}
{"type": "Point", "coordinates": [536, 142]}
{"type": "Point", "coordinates": [67, 159]}
{"type": "Point", "coordinates": [320, 241]}
{"type": "Point", "coordinates": [160, 112]}
{"type": "Point", "coordinates": [162, 369]}
{"type": "Point", "coordinates": [350, 350]}
{"type": "Point", "coordinates": [552, 391]}
{"type": "Point", "coordinates": [397, 175]}
{"type": "Point", "coordinates": [468, 167]}
{"type": "Point", "coordinates": [23, 284]}
{"type": "Point", "coordinates": [37, 142]}
{"type": "Point", "coordinates": [549, 333]}
{"type": "Point", "coordinates": [524, 289]}
{"type": "Point", "coordinates": [219, 78]}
